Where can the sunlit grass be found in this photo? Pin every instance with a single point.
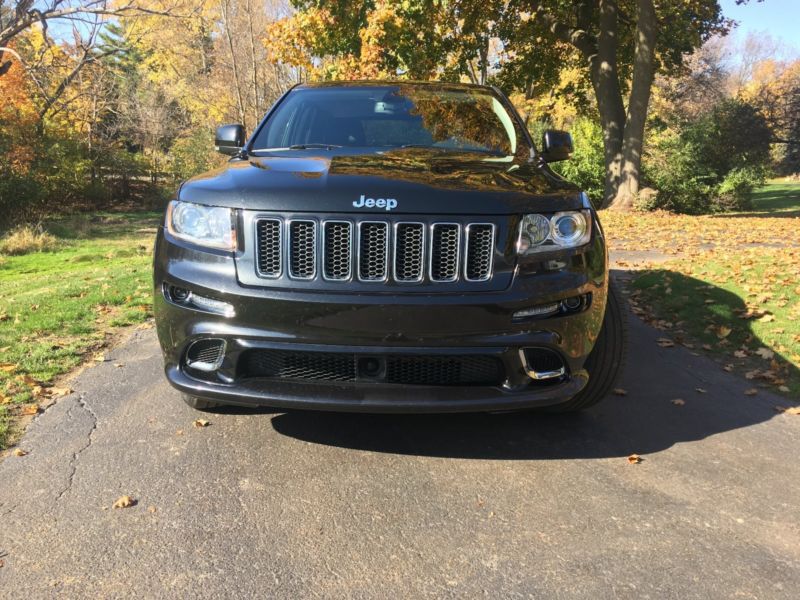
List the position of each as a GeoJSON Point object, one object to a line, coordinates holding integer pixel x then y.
{"type": "Point", "coordinates": [58, 305]}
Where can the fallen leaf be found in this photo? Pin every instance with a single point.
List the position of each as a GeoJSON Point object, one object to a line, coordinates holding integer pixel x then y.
{"type": "Point", "coordinates": [751, 392]}
{"type": "Point", "coordinates": [124, 502]}
{"type": "Point", "coordinates": [620, 392]}
{"type": "Point", "coordinates": [30, 409]}
{"type": "Point", "coordinates": [765, 353]}
{"type": "Point", "coordinates": [767, 318]}
{"type": "Point", "coordinates": [783, 388]}
{"type": "Point", "coordinates": [795, 410]}
{"type": "Point", "coordinates": [8, 368]}
{"type": "Point", "coordinates": [200, 423]}
{"type": "Point", "coordinates": [665, 342]}
{"type": "Point", "coordinates": [740, 354]}
{"type": "Point", "coordinates": [57, 391]}
{"type": "Point", "coordinates": [634, 459]}
{"type": "Point", "coordinates": [678, 402]}
{"type": "Point", "coordinates": [728, 368]}
{"type": "Point", "coordinates": [723, 332]}
{"type": "Point", "coordinates": [151, 509]}
{"type": "Point", "coordinates": [19, 452]}
{"type": "Point", "coordinates": [700, 390]}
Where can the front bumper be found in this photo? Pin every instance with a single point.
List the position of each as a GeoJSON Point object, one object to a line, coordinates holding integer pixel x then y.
{"type": "Point", "coordinates": [378, 325]}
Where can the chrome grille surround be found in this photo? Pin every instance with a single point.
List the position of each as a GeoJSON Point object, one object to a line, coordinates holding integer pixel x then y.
{"type": "Point", "coordinates": [417, 251]}
{"type": "Point", "coordinates": [479, 251]}
{"type": "Point", "coordinates": [445, 252]}
{"type": "Point", "coordinates": [409, 252]}
{"type": "Point", "coordinates": [302, 244]}
{"type": "Point", "coordinates": [269, 253]}
{"type": "Point", "coordinates": [373, 251]}
{"type": "Point", "coordinates": [337, 248]}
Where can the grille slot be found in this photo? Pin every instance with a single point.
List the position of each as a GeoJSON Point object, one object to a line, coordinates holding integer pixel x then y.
{"type": "Point", "coordinates": [432, 370]}
{"type": "Point", "coordinates": [302, 249]}
{"type": "Point", "coordinates": [445, 242]}
{"type": "Point", "coordinates": [373, 249]}
{"type": "Point", "coordinates": [268, 257]}
{"type": "Point", "coordinates": [480, 251]}
{"type": "Point", "coordinates": [338, 250]}
{"type": "Point", "coordinates": [408, 251]}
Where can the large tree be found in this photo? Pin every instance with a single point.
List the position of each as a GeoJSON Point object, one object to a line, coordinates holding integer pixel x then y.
{"type": "Point", "coordinates": [618, 45]}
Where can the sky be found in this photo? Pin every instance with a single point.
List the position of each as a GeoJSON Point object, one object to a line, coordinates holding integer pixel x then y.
{"type": "Point", "coordinates": [779, 18]}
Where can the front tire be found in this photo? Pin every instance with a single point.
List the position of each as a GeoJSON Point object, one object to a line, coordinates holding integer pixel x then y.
{"type": "Point", "coordinates": [201, 403]}
{"type": "Point", "coordinates": [605, 361]}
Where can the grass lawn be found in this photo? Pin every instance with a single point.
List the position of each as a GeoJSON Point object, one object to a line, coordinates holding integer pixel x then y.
{"type": "Point", "coordinates": [779, 196]}
{"type": "Point", "coordinates": [58, 307]}
{"type": "Point", "coordinates": [733, 289]}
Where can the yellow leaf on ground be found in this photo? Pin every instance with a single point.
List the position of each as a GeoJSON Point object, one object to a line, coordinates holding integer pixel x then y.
{"type": "Point", "coordinates": [751, 392]}
{"type": "Point", "coordinates": [19, 452]}
{"type": "Point", "coordinates": [30, 409]}
{"type": "Point", "coordinates": [8, 368]}
{"type": "Point", "coordinates": [678, 402]}
{"type": "Point", "coordinates": [634, 459]}
{"type": "Point", "coordinates": [723, 332]}
{"type": "Point", "coordinates": [124, 502]}
{"type": "Point", "coordinates": [200, 423]}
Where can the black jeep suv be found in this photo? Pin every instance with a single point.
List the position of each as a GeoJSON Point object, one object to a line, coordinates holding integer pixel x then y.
{"type": "Point", "coordinates": [387, 247]}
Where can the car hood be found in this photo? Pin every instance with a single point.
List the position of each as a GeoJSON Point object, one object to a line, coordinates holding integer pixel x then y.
{"type": "Point", "coordinates": [419, 181]}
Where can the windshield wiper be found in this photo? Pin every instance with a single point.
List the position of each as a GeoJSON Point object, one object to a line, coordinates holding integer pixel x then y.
{"type": "Point", "coordinates": [313, 146]}
{"type": "Point", "coordinates": [447, 149]}
{"type": "Point", "coordinates": [299, 147]}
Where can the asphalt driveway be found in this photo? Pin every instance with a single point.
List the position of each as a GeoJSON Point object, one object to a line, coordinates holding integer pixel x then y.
{"type": "Point", "coordinates": [325, 505]}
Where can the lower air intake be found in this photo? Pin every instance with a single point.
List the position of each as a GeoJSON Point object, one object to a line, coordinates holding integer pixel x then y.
{"type": "Point", "coordinates": [205, 355]}
{"type": "Point", "coordinates": [456, 370]}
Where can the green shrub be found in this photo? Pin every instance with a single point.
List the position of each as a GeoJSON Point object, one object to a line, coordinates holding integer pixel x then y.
{"type": "Point", "coordinates": [736, 190]}
{"type": "Point", "coordinates": [587, 166]}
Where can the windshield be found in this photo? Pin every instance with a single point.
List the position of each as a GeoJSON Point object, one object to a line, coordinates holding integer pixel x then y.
{"type": "Point", "coordinates": [392, 116]}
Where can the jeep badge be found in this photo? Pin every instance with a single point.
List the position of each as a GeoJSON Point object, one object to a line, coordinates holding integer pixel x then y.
{"type": "Point", "coordinates": [386, 203]}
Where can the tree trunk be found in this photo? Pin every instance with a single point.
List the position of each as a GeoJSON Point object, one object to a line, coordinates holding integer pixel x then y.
{"type": "Point", "coordinates": [633, 142]}
{"type": "Point", "coordinates": [605, 81]}
{"type": "Point", "coordinates": [234, 65]}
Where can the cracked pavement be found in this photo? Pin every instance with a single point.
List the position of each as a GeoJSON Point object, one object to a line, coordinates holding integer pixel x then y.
{"type": "Point", "coordinates": [326, 505]}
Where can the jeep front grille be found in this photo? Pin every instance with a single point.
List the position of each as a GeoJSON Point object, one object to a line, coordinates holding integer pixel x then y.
{"type": "Point", "coordinates": [405, 252]}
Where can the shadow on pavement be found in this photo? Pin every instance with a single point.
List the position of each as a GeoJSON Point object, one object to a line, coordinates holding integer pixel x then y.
{"type": "Point", "coordinates": [643, 421]}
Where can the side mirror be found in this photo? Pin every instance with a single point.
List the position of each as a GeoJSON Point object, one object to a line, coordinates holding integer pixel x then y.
{"type": "Point", "coordinates": [229, 139]}
{"type": "Point", "coordinates": [556, 145]}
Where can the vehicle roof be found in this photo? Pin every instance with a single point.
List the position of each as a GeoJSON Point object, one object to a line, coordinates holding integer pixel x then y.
{"type": "Point", "coordinates": [380, 83]}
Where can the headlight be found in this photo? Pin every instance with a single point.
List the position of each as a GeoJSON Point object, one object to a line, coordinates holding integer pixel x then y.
{"type": "Point", "coordinates": [541, 233]}
{"type": "Point", "coordinates": [211, 226]}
